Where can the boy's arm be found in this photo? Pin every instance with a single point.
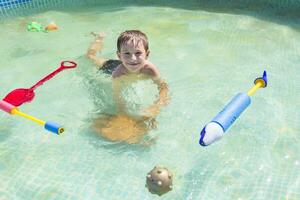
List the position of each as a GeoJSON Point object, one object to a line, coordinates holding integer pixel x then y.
{"type": "Point", "coordinates": [95, 47]}
{"type": "Point", "coordinates": [163, 98]}
{"type": "Point", "coordinates": [163, 88]}
{"type": "Point", "coordinates": [121, 106]}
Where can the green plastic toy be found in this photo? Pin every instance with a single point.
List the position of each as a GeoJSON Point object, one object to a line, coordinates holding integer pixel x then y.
{"type": "Point", "coordinates": [35, 27]}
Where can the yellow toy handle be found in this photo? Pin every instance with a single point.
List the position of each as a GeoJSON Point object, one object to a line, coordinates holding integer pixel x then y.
{"type": "Point", "coordinates": [254, 88]}
{"type": "Point", "coordinates": [259, 82]}
{"type": "Point", "coordinates": [50, 126]}
{"type": "Point", "coordinates": [17, 112]}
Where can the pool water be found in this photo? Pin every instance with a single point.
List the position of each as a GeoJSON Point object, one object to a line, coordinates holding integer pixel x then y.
{"type": "Point", "coordinates": [206, 58]}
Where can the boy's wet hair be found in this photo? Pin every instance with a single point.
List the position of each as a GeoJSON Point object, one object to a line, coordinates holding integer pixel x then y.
{"type": "Point", "coordinates": [135, 36]}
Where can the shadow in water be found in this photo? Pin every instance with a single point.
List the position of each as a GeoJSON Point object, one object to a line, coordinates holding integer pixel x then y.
{"type": "Point", "coordinates": [115, 147]}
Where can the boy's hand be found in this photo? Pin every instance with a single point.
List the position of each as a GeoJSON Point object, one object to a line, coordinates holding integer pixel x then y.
{"type": "Point", "coordinates": [150, 112]}
{"type": "Point", "coordinates": [98, 36]}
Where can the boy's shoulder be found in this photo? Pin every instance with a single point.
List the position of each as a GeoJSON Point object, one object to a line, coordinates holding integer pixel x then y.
{"type": "Point", "coordinates": [119, 71]}
{"type": "Point", "coordinates": [150, 69]}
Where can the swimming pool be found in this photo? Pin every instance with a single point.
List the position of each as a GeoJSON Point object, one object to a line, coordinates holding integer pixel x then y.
{"type": "Point", "coordinates": [206, 53]}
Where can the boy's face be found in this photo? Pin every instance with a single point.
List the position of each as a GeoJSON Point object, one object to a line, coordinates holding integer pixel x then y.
{"type": "Point", "coordinates": [133, 56]}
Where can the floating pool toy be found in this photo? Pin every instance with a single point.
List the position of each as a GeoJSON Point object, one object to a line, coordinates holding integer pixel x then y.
{"type": "Point", "coordinates": [37, 27]}
{"type": "Point", "coordinates": [22, 95]}
{"type": "Point", "coordinates": [159, 180]}
{"type": "Point", "coordinates": [215, 129]}
{"type": "Point", "coordinates": [50, 126]}
{"type": "Point", "coordinates": [51, 27]}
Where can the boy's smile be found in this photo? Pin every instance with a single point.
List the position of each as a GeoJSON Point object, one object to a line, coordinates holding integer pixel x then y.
{"type": "Point", "coordinates": [133, 56]}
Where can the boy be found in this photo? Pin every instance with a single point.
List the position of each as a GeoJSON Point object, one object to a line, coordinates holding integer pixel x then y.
{"type": "Point", "coordinates": [133, 52]}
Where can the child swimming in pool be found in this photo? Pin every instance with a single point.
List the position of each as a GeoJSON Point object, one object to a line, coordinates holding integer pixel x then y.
{"type": "Point", "coordinates": [133, 52]}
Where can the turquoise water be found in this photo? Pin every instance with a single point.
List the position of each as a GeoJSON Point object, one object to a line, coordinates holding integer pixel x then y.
{"type": "Point", "coordinates": [206, 58]}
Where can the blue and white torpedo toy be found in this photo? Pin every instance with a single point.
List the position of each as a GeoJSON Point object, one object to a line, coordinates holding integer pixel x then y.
{"type": "Point", "coordinates": [215, 129]}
